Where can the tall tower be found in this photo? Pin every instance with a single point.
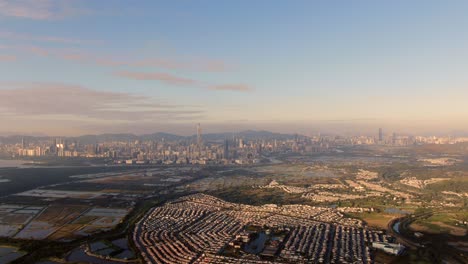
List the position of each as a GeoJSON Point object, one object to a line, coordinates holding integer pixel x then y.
{"type": "Point", "coordinates": [380, 135]}
{"type": "Point", "coordinates": [199, 135]}
{"type": "Point", "coordinates": [226, 149]}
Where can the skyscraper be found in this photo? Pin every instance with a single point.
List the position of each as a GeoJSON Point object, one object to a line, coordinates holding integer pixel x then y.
{"type": "Point", "coordinates": [380, 135]}
{"type": "Point", "coordinates": [199, 136]}
{"type": "Point", "coordinates": [226, 149]}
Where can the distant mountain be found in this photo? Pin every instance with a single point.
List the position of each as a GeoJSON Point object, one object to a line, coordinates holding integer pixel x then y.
{"type": "Point", "coordinates": [252, 134]}
{"type": "Point", "coordinates": [162, 135]}
{"type": "Point", "coordinates": [93, 139]}
{"type": "Point", "coordinates": [246, 135]}
{"type": "Point", "coordinates": [13, 139]}
{"type": "Point", "coordinates": [32, 134]}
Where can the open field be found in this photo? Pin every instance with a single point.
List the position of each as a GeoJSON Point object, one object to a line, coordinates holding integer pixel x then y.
{"type": "Point", "coordinates": [373, 219]}
{"type": "Point", "coordinates": [49, 221]}
{"type": "Point", "coordinates": [255, 196]}
{"type": "Point", "coordinates": [66, 232]}
{"type": "Point", "coordinates": [57, 221]}
{"type": "Point", "coordinates": [59, 215]}
{"type": "Point", "coordinates": [14, 217]}
{"type": "Point", "coordinates": [86, 203]}
{"type": "Point", "coordinates": [98, 219]}
{"type": "Point", "coordinates": [453, 223]}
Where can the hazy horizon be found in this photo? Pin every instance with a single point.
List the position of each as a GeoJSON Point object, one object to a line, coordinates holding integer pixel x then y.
{"type": "Point", "coordinates": [242, 131]}
{"type": "Point", "coordinates": [328, 127]}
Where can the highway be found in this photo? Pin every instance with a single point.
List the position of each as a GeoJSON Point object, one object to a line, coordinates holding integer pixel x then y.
{"type": "Point", "coordinates": [433, 246]}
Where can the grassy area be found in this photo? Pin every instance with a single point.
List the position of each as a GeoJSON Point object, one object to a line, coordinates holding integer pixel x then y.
{"type": "Point", "coordinates": [413, 257]}
{"type": "Point", "coordinates": [371, 202]}
{"type": "Point", "coordinates": [446, 222]}
{"type": "Point", "coordinates": [373, 219]}
{"type": "Point", "coordinates": [458, 185]}
{"type": "Point", "coordinates": [255, 196]}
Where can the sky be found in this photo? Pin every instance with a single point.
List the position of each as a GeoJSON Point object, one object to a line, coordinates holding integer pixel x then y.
{"type": "Point", "coordinates": [72, 67]}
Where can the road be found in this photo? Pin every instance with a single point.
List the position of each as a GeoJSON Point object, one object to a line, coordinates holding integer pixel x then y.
{"type": "Point", "coordinates": [431, 247]}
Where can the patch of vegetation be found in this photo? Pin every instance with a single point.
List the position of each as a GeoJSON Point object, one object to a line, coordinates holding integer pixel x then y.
{"type": "Point", "coordinates": [458, 185]}
{"type": "Point", "coordinates": [255, 196]}
{"type": "Point", "coordinates": [393, 172]}
{"type": "Point", "coordinates": [374, 219]}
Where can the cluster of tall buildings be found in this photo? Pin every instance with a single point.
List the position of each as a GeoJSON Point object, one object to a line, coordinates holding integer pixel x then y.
{"type": "Point", "coordinates": [234, 150]}
{"type": "Point", "coordinates": [189, 150]}
{"type": "Point", "coordinates": [394, 139]}
{"type": "Point", "coordinates": [196, 150]}
{"type": "Point", "coordinates": [56, 147]}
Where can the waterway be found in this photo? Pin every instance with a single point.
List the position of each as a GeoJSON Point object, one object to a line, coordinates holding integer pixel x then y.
{"type": "Point", "coordinates": [396, 211]}
{"type": "Point", "coordinates": [16, 163]}
{"type": "Point", "coordinates": [396, 227]}
{"type": "Point", "coordinates": [79, 255]}
{"type": "Point", "coordinates": [256, 246]}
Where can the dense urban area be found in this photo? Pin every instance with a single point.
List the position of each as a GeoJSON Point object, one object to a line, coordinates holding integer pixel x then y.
{"type": "Point", "coordinates": [248, 197]}
{"type": "Point", "coordinates": [247, 147]}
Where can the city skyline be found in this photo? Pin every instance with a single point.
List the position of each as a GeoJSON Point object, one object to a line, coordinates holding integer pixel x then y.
{"type": "Point", "coordinates": [84, 67]}
{"type": "Point", "coordinates": [249, 132]}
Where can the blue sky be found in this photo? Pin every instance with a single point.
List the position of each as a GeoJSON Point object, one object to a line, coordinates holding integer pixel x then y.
{"type": "Point", "coordinates": [82, 66]}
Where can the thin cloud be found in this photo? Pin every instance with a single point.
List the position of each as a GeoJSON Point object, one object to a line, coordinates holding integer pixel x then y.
{"type": "Point", "coordinates": [206, 65]}
{"type": "Point", "coordinates": [7, 58]}
{"type": "Point", "coordinates": [181, 81]}
{"type": "Point", "coordinates": [65, 54]}
{"type": "Point", "coordinates": [107, 61]}
{"type": "Point", "coordinates": [214, 65]}
{"type": "Point", "coordinates": [232, 87]}
{"type": "Point", "coordinates": [51, 100]}
{"type": "Point", "coordinates": [54, 39]}
{"type": "Point", "coordinates": [74, 54]}
{"type": "Point", "coordinates": [202, 65]}
{"type": "Point", "coordinates": [37, 51]}
{"type": "Point", "coordinates": [39, 9]}
{"type": "Point", "coordinates": [157, 76]}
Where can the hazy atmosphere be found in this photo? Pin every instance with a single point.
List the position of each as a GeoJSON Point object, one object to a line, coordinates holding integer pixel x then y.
{"type": "Point", "coordinates": [74, 67]}
{"type": "Point", "coordinates": [233, 131]}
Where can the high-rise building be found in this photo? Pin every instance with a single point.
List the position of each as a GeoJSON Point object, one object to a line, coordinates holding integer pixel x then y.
{"type": "Point", "coordinates": [199, 135]}
{"type": "Point", "coordinates": [380, 135]}
{"type": "Point", "coordinates": [226, 149]}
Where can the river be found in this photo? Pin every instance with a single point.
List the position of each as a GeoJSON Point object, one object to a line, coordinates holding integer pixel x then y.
{"type": "Point", "coordinates": [16, 163]}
